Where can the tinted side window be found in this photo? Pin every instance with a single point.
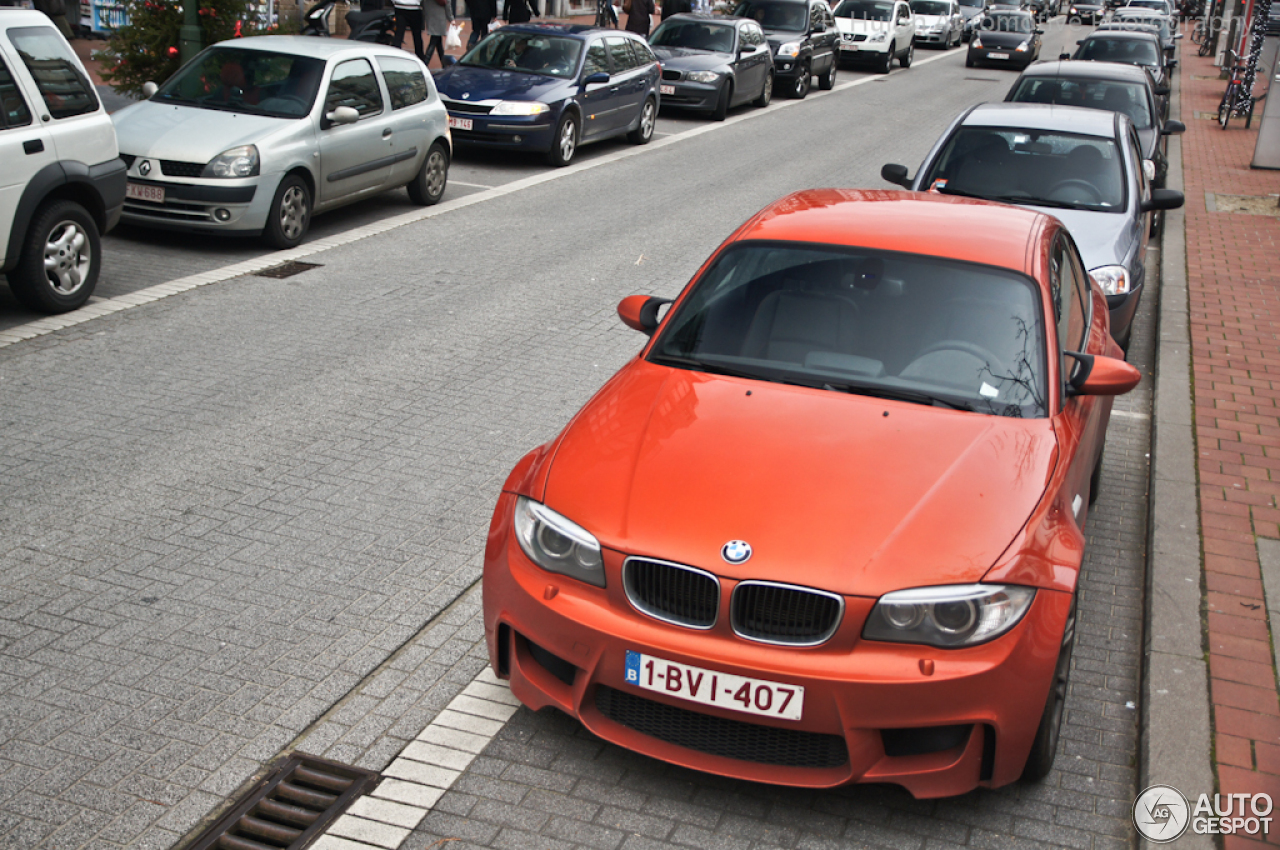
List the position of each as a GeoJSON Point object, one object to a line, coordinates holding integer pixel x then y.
{"type": "Point", "coordinates": [1135, 162]}
{"type": "Point", "coordinates": [13, 109]}
{"type": "Point", "coordinates": [641, 55]}
{"type": "Point", "coordinates": [406, 83]}
{"type": "Point", "coordinates": [597, 61]}
{"type": "Point", "coordinates": [353, 84]}
{"type": "Point", "coordinates": [619, 52]}
{"type": "Point", "coordinates": [817, 23]}
{"type": "Point", "coordinates": [1064, 289]}
{"type": "Point", "coordinates": [65, 89]}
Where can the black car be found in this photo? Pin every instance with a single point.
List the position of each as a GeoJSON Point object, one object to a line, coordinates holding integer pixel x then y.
{"type": "Point", "coordinates": [713, 62]}
{"type": "Point", "coordinates": [1005, 37]}
{"type": "Point", "coordinates": [803, 38]}
{"type": "Point", "coordinates": [1137, 16]}
{"type": "Point", "coordinates": [972, 11]}
{"type": "Point", "coordinates": [1131, 47]}
{"type": "Point", "coordinates": [1103, 85]}
{"type": "Point", "coordinates": [1087, 11]}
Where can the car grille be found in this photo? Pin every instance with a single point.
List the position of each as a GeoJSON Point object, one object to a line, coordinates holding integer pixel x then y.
{"type": "Point", "coordinates": [855, 37]}
{"type": "Point", "coordinates": [171, 168]}
{"type": "Point", "coordinates": [473, 108]}
{"type": "Point", "coordinates": [671, 74]}
{"type": "Point", "coordinates": [779, 613]}
{"type": "Point", "coordinates": [719, 736]}
{"type": "Point", "coordinates": [677, 594]}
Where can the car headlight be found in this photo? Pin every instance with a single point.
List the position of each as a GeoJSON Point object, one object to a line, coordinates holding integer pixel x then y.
{"type": "Point", "coordinates": [977, 41]}
{"type": "Point", "coordinates": [519, 107]}
{"type": "Point", "coordinates": [877, 36]}
{"type": "Point", "coordinates": [236, 162]}
{"type": "Point", "coordinates": [557, 544]}
{"type": "Point", "coordinates": [1114, 280]}
{"type": "Point", "coordinates": [791, 48]}
{"type": "Point", "coordinates": [702, 76]}
{"type": "Point", "coordinates": [950, 616]}
{"type": "Point", "coordinates": [1024, 47]}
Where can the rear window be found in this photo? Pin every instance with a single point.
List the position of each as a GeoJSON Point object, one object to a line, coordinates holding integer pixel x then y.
{"type": "Point", "coordinates": [64, 87]}
{"type": "Point", "coordinates": [788, 17]}
{"type": "Point", "coordinates": [1128, 98]}
{"type": "Point", "coordinates": [1131, 51]}
{"type": "Point", "coordinates": [406, 84]}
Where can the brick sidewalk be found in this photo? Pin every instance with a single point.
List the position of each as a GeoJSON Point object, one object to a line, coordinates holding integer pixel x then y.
{"type": "Point", "coordinates": [1233, 274]}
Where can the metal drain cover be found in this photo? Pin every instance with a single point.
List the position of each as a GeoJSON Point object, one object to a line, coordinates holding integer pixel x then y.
{"type": "Point", "coordinates": [287, 269]}
{"type": "Point", "coordinates": [289, 808]}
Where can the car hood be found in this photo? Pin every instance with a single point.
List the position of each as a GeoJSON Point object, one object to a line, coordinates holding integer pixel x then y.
{"type": "Point", "coordinates": [970, 12]}
{"type": "Point", "coordinates": [464, 82]}
{"type": "Point", "coordinates": [1104, 238]}
{"type": "Point", "coordinates": [777, 38]}
{"type": "Point", "coordinates": [684, 59]}
{"type": "Point", "coordinates": [847, 493]}
{"type": "Point", "coordinates": [188, 133]}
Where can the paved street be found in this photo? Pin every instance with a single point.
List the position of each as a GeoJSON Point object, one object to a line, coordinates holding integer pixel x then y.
{"type": "Point", "coordinates": [248, 518]}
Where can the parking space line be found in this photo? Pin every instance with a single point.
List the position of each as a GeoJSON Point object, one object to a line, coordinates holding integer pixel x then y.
{"type": "Point", "coordinates": [469, 185]}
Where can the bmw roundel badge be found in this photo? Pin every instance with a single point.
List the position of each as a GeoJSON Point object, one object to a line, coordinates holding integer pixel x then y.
{"type": "Point", "coordinates": [736, 551]}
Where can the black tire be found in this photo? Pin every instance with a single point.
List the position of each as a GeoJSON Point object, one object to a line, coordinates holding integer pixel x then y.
{"type": "Point", "coordinates": [828, 80]}
{"type": "Point", "coordinates": [564, 142]}
{"type": "Point", "coordinates": [905, 59]}
{"type": "Point", "coordinates": [887, 62]}
{"type": "Point", "coordinates": [1045, 746]}
{"type": "Point", "coordinates": [1157, 223]}
{"type": "Point", "coordinates": [427, 187]}
{"type": "Point", "coordinates": [1095, 480]}
{"type": "Point", "coordinates": [800, 86]}
{"type": "Point", "coordinates": [968, 61]}
{"type": "Point", "coordinates": [290, 213]}
{"type": "Point", "coordinates": [1224, 108]}
{"type": "Point", "coordinates": [62, 235]}
{"type": "Point", "coordinates": [643, 133]}
{"type": "Point", "coordinates": [766, 91]}
{"type": "Point", "coordinates": [722, 102]}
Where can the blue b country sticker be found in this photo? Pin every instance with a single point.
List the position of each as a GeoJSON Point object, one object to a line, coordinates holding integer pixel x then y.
{"type": "Point", "coordinates": [633, 667]}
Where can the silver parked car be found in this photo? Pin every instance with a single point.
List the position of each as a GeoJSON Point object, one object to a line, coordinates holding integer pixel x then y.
{"type": "Point", "coordinates": [255, 135]}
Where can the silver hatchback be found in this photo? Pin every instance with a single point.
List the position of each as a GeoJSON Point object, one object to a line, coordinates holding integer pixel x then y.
{"type": "Point", "coordinates": [255, 135]}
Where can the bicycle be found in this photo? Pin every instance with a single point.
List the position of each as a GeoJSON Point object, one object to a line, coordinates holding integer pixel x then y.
{"type": "Point", "coordinates": [605, 15]}
{"type": "Point", "coordinates": [1237, 101]}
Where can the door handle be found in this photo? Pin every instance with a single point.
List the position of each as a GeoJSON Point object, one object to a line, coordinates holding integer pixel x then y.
{"type": "Point", "coordinates": [33, 146]}
{"type": "Point", "coordinates": [386, 134]}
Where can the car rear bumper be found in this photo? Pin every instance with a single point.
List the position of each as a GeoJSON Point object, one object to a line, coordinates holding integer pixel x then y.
{"type": "Point", "coordinates": [871, 713]}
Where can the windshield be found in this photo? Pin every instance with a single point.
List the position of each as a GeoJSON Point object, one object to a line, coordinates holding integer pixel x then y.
{"type": "Point", "coordinates": [255, 82]}
{"type": "Point", "coordinates": [789, 17]}
{"type": "Point", "coordinates": [866, 322]}
{"type": "Point", "coordinates": [1130, 51]}
{"type": "Point", "coordinates": [1160, 23]}
{"type": "Point", "coordinates": [1158, 5]}
{"type": "Point", "coordinates": [1019, 22]}
{"type": "Point", "coordinates": [930, 7]}
{"type": "Point", "coordinates": [1112, 96]}
{"type": "Point", "coordinates": [550, 55]}
{"type": "Point", "coordinates": [975, 4]}
{"type": "Point", "coordinates": [1035, 167]}
{"type": "Point", "coordinates": [694, 35]}
{"type": "Point", "coordinates": [867, 10]}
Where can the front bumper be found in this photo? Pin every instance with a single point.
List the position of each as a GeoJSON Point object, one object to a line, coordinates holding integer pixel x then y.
{"type": "Point", "coordinates": [1122, 309]}
{"type": "Point", "coordinates": [866, 50]}
{"type": "Point", "coordinates": [687, 94]}
{"type": "Point", "coordinates": [195, 206]}
{"type": "Point", "coordinates": [1000, 56]}
{"type": "Point", "coordinates": [870, 710]}
{"type": "Point", "coordinates": [526, 132]}
{"type": "Point", "coordinates": [936, 37]}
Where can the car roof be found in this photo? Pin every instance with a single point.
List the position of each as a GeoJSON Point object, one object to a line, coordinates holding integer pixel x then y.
{"type": "Point", "coordinates": [572, 30]}
{"type": "Point", "coordinates": [709, 18]}
{"type": "Point", "coordinates": [14, 17]}
{"type": "Point", "coordinates": [1086, 69]}
{"type": "Point", "coordinates": [1112, 32]}
{"type": "Point", "coordinates": [306, 45]}
{"type": "Point", "coordinates": [1044, 116]}
{"type": "Point", "coordinates": [895, 220]}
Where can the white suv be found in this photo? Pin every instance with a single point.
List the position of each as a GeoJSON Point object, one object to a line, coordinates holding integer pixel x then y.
{"type": "Point", "coordinates": [876, 31]}
{"type": "Point", "coordinates": [62, 182]}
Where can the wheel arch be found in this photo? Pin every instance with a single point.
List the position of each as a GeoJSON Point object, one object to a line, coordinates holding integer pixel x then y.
{"type": "Point", "coordinates": [57, 181]}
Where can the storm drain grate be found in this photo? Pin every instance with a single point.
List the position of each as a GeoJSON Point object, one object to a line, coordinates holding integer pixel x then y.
{"type": "Point", "coordinates": [287, 269]}
{"type": "Point", "coordinates": [291, 807]}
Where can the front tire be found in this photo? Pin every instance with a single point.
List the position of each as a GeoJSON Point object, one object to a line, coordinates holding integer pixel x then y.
{"type": "Point", "coordinates": [766, 91]}
{"type": "Point", "coordinates": [905, 59]}
{"type": "Point", "coordinates": [887, 62]}
{"type": "Point", "coordinates": [428, 187]}
{"type": "Point", "coordinates": [1045, 746]}
{"type": "Point", "coordinates": [828, 80]}
{"type": "Point", "coordinates": [564, 142]}
{"type": "Point", "coordinates": [722, 103]}
{"type": "Point", "coordinates": [290, 214]}
{"type": "Point", "coordinates": [800, 87]}
{"type": "Point", "coordinates": [60, 260]}
{"type": "Point", "coordinates": [643, 132]}
{"type": "Point", "coordinates": [968, 61]}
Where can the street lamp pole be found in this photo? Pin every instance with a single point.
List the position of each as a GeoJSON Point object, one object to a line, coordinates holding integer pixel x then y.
{"type": "Point", "coordinates": [189, 35]}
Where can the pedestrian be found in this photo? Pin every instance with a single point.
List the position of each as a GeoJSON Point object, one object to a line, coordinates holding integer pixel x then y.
{"type": "Point", "coordinates": [675, 7]}
{"type": "Point", "coordinates": [639, 16]}
{"type": "Point", "coordinates": [56, 10]}
{"type": "Point", "coordinates": [438, 15]}
{"type": "Point", "coordinates": [409, 17]}
{"type": "Point", "coordinates": [518, 11]}
{"type": "Point", "coordinates": [482, 13]}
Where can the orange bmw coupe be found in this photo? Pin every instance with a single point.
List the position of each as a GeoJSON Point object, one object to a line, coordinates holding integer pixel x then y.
{"type": "Point", "coordinates": [827, 526]}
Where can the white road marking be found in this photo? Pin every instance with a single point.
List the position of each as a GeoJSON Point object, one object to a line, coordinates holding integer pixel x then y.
{"type": "Point", "coordinates": [469, 185]}
{"type": "Point", "coordinates": [1131, 414]}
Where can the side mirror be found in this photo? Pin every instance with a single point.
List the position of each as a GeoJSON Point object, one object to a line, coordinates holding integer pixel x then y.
{"type": "Point", "coordinates": [597, 77]}
{"type": "Point", "coordinates": [1098, 375]}
{"type": "Point", "coordinates": [1163, 199]}
{"type": "Point", "coordinates": [1062, 57]}
{"type": "Point", "coordinates": [149, 89]}
{"type": "Point", "coordinates": [1177, 35]}
{"type": "Point", "coordinates": [896, 174]}
{"type": "Point", "coordinates": [1039, 32]}
{"type": "Point", "coordinates": [1161, 91]}
{"type": "Point", "coordinates": [343, 115]}
{"type": "Point", "coordinates": [640, 312]}
{"type": "Point", "coordinates": [1172, 63]}
{"type": "Point", "coordinates": [1079, 42]}
{"type": "Point", "coordinates": [1173, 128]}
{"type": "Point", "coordinates": [1149, 169]}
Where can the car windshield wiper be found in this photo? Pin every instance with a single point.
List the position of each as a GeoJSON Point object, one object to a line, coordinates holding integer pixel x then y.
{"type": "Point", "coordinates": [175, 98]}
{"type": "Point", "coordinates": [880, 391]}
{"type": "Point", "coordinates": [1043, 202]}
{"type": "Point", "coordinates": [947, 190]}
{"type": "Point", "coordinates": [704, 366]}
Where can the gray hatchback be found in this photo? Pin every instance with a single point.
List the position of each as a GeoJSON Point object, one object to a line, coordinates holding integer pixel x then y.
{"type": "Point", "coordinates": [1084, 166]}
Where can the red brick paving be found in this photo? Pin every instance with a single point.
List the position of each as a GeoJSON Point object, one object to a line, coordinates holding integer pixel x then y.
{"type": "Point", "coordinates": [1233, 277]}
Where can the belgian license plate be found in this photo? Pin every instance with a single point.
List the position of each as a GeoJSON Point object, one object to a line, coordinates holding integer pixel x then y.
{"type": "Point", "coordinates": [852, 48]}
{"type": "Point", "coordinates": [997, 55]}
{"type": "Point", "coordinates": [459, 123]}
{"type": "Point", "coordinates": [710, 687]}
{"type": "Point", "coordinates": [139, 192]}
{"type": "Point", "coordinates": [666, 89]}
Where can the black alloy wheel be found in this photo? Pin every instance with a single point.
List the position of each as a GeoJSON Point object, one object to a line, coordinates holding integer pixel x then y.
{"type": "Point", "coordinates": [1045, 746]}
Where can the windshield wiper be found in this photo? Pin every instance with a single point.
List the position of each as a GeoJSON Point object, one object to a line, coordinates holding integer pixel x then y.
{"type": "Point", "coordinates": [704, 366]}
{"type": "Point", "coordinates": [879, 391]}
